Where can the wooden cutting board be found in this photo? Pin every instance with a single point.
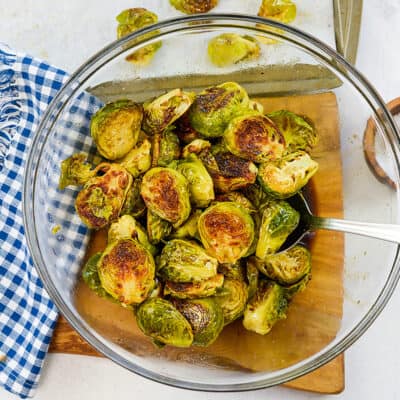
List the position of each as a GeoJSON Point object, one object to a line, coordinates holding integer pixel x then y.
{"type": "Point", "coordinates": [318, 310]}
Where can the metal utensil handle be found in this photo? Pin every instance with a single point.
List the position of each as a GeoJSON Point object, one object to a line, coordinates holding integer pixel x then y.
{"type": "Point", "coordinates": [388, 232]}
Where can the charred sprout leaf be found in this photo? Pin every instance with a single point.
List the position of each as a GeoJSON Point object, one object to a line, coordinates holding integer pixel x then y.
{"type": "Point", "coordinates": [131, 20]}
{"type": "Point", "coordinates": [126, 271]}
{"type": "Point", "coordinates": [226, 231]}
{"type": "Point", "coordinates": [216, 106]}
{"type": "Point", "coordinates": [183, 261]}
{"type": "Point", "coordinates": [285, 177]}
{"type": "Point", "coordinates": [194, 6]}
{"type": "Point", "coordinates": [233, 270]}
{"type": "Point", "coordinates": [267, 307]}
{"type": "Point", "coordinates": [138, 160]}
{"type": "Point", "coordinates": [90, 276]}
{"type": "Point", "coordinates": [189, 228]}
{"type": "Point", "coordinates": [75, 170]}
{"type": "Point", "coordinates": [279, 10]}
{"type": "Point", "coordinates": [256, 195]}
{"type": "Point", "coordinates": [115, 128]}
{"type": "Point", "coordinates": [164, 110]}
{"type": "Point", "coordinates": [231, 48]}
{"type": "Point", "coordinates": [169, 149]}
{"type": "Point", "coordinates": [233, 299]}
{"type": "Point", "coordinates": [201, 186]}
{"type": "Point", "coordinates": [228, 172]}
{"type": "Point", "coordinates": [157, 228]}
{"type": "Point", "coordinates": [239, 198]}
{"type": "Point", "coordinates": [252, 276]}
{"type": "Point", "coordinates": [160, 320]}
{"type": "Point", "coordinates": [278, 220]}
{"type": "Point", "coordinates": [206, 318]}
{"type": "Point", "coordinates": [157, 290]}
{"type": "Point", "coordinates": [101, 199]}
{"type": "Point", "coordinates": [256, 106]}
{"type": "Point", "coordinates": [166, 193]}
{"type": "Point", "coordinates": [134, 204]}
{"type": "Point", "coordinates": [185, 130]}
{"type": "Point", "coordinates": [299, 132]}
{"type": "Point", "coordinates": [294, 288]}
{"type": "Point", "coordinates": [254, 137]}
{"type": "Point", "coordinates": [193, 290]}
{"type": "Point", "coordinates": [196, 147]}
{"type": "Point", "coordinates": [287, 267]}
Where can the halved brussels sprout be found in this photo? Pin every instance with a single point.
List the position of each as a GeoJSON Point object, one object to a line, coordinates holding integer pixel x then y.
{"type": "Point", "coordinates": [164, 110]}
{"type": "Point", "coordinates": [206, 318]}
{"type": "Point", "coordinates": [101, 199]}
{"type": "Point", "coordinates": [134, 204]}
{"type": "Point", "coordinates": [128, 228]}
{"type": "Point", "coordinates": [126, 271]}
{"type": "Point", "coordinates": [189, 228]}
{"type": "Point", "coordinates": [226, 231]}
{"type": "Point", "coordinates": [138, 160]}
{"type": "Point", "coordinates": [239, 198]}
{"type": "Point", "coordinates": [252, 276]}
{"type": "Point", "coordinates": [157, 228]}
{"type": "Point", "coordinates": [115, 128]}
{"type": "Point", "coordinates": [160, 320]}
{"type": "Point", "coordinates": [278, 221]}
{"type": "Point", "coordinates": [232, 299]}
{"type": "Point", "coordinates": [75, 170]}
{"type": "Point", "coordinates": [230, 48]}
{"type": "Point", "coordinates": [299, 132]}
{"type": "Point", "coordinates": [183, 261]}
{"type": "Point", "coordinates": [279, 10]}
{"type": "Point", "coordinates": [265, 308]}
{"type": "Point", "coordinates": [285, 177]}
{"type": "Point", "coordinates": [294, 288]}
{"type": "Point", "coordinates": [233, 270]}
{"type": "Point", "coordinates": [228, 172]}
{"type": "Point", "coordinates": [185, 130]}
{"type": "Point", "coordinates": [196, 146]}
{"type": "Point", "coordinates": [194, 6]}
{"type": "Point", "coordinates": [254, 137]}
{"type": "Point", "coordinates": [192, 290]}
{"type": "Point", "coordinates": [214, 107]}
{"type": "Point", "coordinates": [166, 193]}
{"type": "Point", "coordinates": [165, 148]}
{"type": "Point", "coordinates": [201, 186]}
{"type": "Point", "coordinates": [90, 276]}
{"type": "Point", "coordinates": [256, 195]}
{"type": "Point", "coordinates": [131, 20]}
{"type": "Point", "coordinates": [287, 267]}
{"type": "Point", "coordinates": [157, 290]}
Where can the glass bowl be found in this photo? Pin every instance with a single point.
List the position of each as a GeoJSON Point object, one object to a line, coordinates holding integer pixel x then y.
{"type": "Point", "coordinates": [353, 277]}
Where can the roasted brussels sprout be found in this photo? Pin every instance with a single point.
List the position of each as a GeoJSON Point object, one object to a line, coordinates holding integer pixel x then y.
{"type": "Point", "coordinates": [196, 146]}
{"type": "Point", "coordinates": [194, 6]}
{"type": "Point", "coordinates": [183, 261]}
{"type": "Point", "coordinates": [233, 270]}
{"type": "Point", "coordinates": [166, 193]}
{"type": "Point", "coordinates": [226, 231]}
{"type": "Point", "coordinates": [201, 186]}
{"type": "Point", "coordinates": [189, 228]}
{"type": "Point", "coordinates": [265, 308]}
{"type": "Point", "coordinates": [239, 198]}
{"type": "Point", "coordinates": [287, 267]}
{"type": "Point", "coordinates": [299, 132]}
{"type": "Point", "coordinates": [205, 316]}
{"type": "Point", "coordinates": [160, 320]}
{"type": "Point", "coordinates": [101, 199]}
{"type": "Point", "coordinates": [291, 290]}
{"type": "Point", "coordinates": [215, 106]}
{"type": "Point", "coordinates": [138, 160]}
{"type": "Point", "coordinates": [90, 276]}
{"type": "Point", "coordinates": [254, 137]}
{"type": "Point", "coordinates": [166, 148]}
{"type": "Point", "coordinates": [185, 130]}
{"type": "Point", "coordinates": [75, 170]}
{"type": "Point", "coordinates": [285, 177]}
{"type": "Point", "coordinates": [278, 220]}
{"type": "Point", "coordinates": [131, 20]}
{"type": "Point", "coordinates": [231, 48]}
{"type": "Point", "coordinates": [252, 276]}
{"type": "Point", "coordinates": [134, 204]}
{"type": "Point", "coordinates": [279, 10]}
{"type": "Point", "coordinates": [115, 128]}
{"type": "Point", "coordinates": [193, 290]}
{"type": "Point", "coordinates": [126, 271]}
{"type": "Point", "coordinates": [232, 299]}
{"type": "Point", "coordinates": [228, 172]}
{"type": "Point", "coordinates": [164, 110]}
{"type": "Point", "coordinates": [157, 228]}
{"type": "Point", "coordinates": [256, 195]}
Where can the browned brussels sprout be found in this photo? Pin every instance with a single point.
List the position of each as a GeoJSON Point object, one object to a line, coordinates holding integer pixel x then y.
{"type": "Point", "coordinates": [196, 147]}
{"type": "Point", "coordinates": [157, 228]}
{"type": "Point", "coordinates": [194, 6]}
{"type": "Point", "coordinates": [226, 231]}
{"type": "Point", "coordinates": [206, 318]}
{"type": "Point", "coordinates": [126, 271]}
{"type": "Point", "coordinates": [101, 199]}
{"type": "Point", "coordinates": [185, 130]}
{"type": "Point", "coordinates": [166, 193]}
{"type": "Point", "coordinates": [239, 198]}
{"type": "Point", "coordinates": [75, 170]}
{"type": "Point", "coordinates": [134, 204]}
{"type": "Point", "coordinates": [165, 148]}
{"type": "Point", "coordinates": [115, 128]}
{"type": "Point", "coordinates": [233, 270]}
{"type": "Point", "coordinates": [160, 320]}
{"type": "Point", "coordinates": [189, 228]}
{"type": "Point", "coordinates": [294, 288]}
{"type": "Point", "coordinates": [138, 160]}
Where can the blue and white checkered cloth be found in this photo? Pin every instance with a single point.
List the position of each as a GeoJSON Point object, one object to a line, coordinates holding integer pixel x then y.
{"type": "Point", "coordinates": [27, 315]}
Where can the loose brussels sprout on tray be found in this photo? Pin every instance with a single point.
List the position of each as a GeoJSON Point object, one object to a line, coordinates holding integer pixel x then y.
{"type": "Point", "coordinates": [196, 196]}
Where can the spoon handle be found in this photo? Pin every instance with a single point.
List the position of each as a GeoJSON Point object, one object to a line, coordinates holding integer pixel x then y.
{"type": "Point", "coordinates": [388, 232]}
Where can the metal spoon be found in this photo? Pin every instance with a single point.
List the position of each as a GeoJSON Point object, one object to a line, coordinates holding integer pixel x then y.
{"type": "Point", "coordinates": [309, 222]}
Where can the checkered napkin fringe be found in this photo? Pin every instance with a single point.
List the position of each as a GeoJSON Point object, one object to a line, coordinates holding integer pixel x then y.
{"type": "Point", "coordinates": [27, 315]}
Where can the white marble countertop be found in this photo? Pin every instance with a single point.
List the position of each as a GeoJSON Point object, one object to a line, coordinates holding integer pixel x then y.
{"type": "Point", "coordinates": [372, 364]}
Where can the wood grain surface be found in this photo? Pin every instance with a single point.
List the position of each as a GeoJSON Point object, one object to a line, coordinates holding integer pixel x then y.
{"type": "Point", "coordinates": [314, 316]}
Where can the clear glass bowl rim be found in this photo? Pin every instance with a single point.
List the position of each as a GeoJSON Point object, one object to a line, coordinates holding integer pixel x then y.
{"type": "Point", "coordinates": [109, 52]}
